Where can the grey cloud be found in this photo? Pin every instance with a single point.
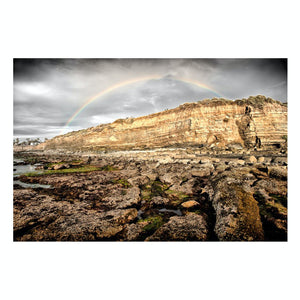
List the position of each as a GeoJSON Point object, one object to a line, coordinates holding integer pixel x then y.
{"type": "Point", "coordinates": [47, 92]}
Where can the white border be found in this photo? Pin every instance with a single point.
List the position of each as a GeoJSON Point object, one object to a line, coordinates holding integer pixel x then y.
{"type": "Point", "coordinates": [170, 29]}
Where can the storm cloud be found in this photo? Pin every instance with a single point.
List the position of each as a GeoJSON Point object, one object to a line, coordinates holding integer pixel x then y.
{"type": "Point", "coordinates": [48, 92]}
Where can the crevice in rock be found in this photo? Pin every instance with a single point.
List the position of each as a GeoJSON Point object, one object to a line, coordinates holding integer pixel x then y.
{"type": "Point", "coordinates": [268, 217]}
{"type": "Point", "coordinates": [208, 210]}
{"type": "Point", "coordinates": [25, 230]}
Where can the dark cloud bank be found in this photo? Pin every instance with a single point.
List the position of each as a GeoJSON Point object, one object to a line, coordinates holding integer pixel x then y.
{"type": "Point", "coordinates": [47, 92]}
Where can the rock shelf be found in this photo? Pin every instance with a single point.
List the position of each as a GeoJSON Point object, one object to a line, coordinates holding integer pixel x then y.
{"type": "Point", "coordinates": [167, 197]}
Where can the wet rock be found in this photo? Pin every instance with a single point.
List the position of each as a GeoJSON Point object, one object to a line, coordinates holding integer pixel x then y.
{"type": "Point", "coordinates": [237, 212]}
{"type": "Point", "coordinates": [191, 227]}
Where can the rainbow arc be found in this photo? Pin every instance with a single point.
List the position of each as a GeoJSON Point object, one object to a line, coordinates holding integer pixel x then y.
{"type": "Point", "coordinates": [132, 81]}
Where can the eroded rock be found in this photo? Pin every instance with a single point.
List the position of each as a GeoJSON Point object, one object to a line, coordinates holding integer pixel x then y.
{"type": "Point", "coordinates": [191, 227]}
{"type": "Point", "coordinates": [237, 213]}
{"type": "Point", "coordinates": [140, 199]}
{"type": "Point", "coordinates": [45, 219]}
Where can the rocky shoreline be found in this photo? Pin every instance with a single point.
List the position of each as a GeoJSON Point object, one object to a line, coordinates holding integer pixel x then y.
{"type": "Point", "coordinates": [161, 195]}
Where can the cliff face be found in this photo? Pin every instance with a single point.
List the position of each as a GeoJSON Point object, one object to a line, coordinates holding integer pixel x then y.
{"type": "Point", "coordinates": [217, 123]}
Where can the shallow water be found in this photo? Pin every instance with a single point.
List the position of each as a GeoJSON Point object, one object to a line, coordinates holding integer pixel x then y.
{"type": "Point", "coordinates": [18, 160]}
{"type": "Point", "coordinates": [32, 185]}
{"type": "Point", "coordinates": [175, 211]}
{"type": "Point", "coordinates": [139, 215]}
{"type": "Point", "coordinates": [162, 210]}
{"type": "Point", "coordinates": [22, 169]}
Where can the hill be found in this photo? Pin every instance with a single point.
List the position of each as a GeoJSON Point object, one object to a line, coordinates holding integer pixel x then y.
{"type": "Point", "coordinates": [217, 123]}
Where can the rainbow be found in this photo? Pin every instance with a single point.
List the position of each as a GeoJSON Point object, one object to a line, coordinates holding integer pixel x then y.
{"type": "Point", "coordinates": [131, 81]}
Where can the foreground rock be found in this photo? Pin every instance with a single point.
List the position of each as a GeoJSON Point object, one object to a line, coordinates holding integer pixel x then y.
{"type": "Point", "coordinates": [44, 219]}
{"type": "Point", "coordinates": [128, 197]}
{"type": "Point", "coordinates": [237, 214]}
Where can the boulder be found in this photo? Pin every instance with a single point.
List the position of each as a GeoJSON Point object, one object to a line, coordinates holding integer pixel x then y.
{"type": "Point", "coordinates": [132, 197]}
{"type": "Point", "coordinates": [215, 160]}
{"type": "Point", "coordinates": [190, 204]}
{"type": "Point", "coordinates": [237, 212]}
{"type": "Point", "coordinates": [220, 168]}
{"type": "Point", "coordinates": [280, 160]}
{"type": "Point", "coordinates": [251, 160]}
{"type": "Point", "coordinates": [205, 160]}
{"type": "Point", "coordinates": [151, 176]}
{"type": "Point", "coordinates": [170, 178]}
{"type": "Point", "coordinates": [203, 172]}
{"type": "Point", "coordinates": [60, 166]}
{"type": "Point", "coordinates": [236, 163]}
{"type": "Point", "coordinates": [185, 187]}
{"type": "Point", "coordinates": [272, 186]}
{"type": "Point", "coordinates": [191, 227]}
{"type": "Point", "coordinates": [261, 159]}
{"type": "Point", "coordinates": [278, 172]}
{"type": "Point", "coordinates": [39, 167]}
{"type": "Point", "coordinates": [240, 162]}
{"type": "Point", "coordinates": [158, 200]}
{"type": "Point", "coordinates": [133, 232]}
{"type": "Point", "coordinates": [138, 180]}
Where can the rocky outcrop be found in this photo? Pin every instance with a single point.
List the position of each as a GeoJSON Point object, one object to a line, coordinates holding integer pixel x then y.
{"type": "Point", "coordinates": [217, 123]}
{"type": "Point", "coordinates": [237, 214]}
{"type": "Point", "coordinates": [47, 220]}
{"type": "Point", "coordinates": [236, 199]}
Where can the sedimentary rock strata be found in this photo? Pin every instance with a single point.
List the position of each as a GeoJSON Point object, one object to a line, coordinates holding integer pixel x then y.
{"type": "Point", "coordinates": [215, 124]}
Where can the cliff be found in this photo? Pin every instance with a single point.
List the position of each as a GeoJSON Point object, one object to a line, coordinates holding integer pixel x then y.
{"type": "Point", "coordinates": [217, 123]}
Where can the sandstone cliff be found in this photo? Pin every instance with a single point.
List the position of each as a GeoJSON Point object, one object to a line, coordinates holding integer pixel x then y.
{"type": "Point", "coordinates": [218, 123]}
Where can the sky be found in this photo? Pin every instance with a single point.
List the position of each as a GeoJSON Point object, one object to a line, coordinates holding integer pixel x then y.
{"type": "Point", "coordinates": [55, 96]}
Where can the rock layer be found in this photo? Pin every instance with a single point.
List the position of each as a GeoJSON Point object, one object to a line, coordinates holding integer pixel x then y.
{"type": "Point", "coordinates": [218, 123]}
